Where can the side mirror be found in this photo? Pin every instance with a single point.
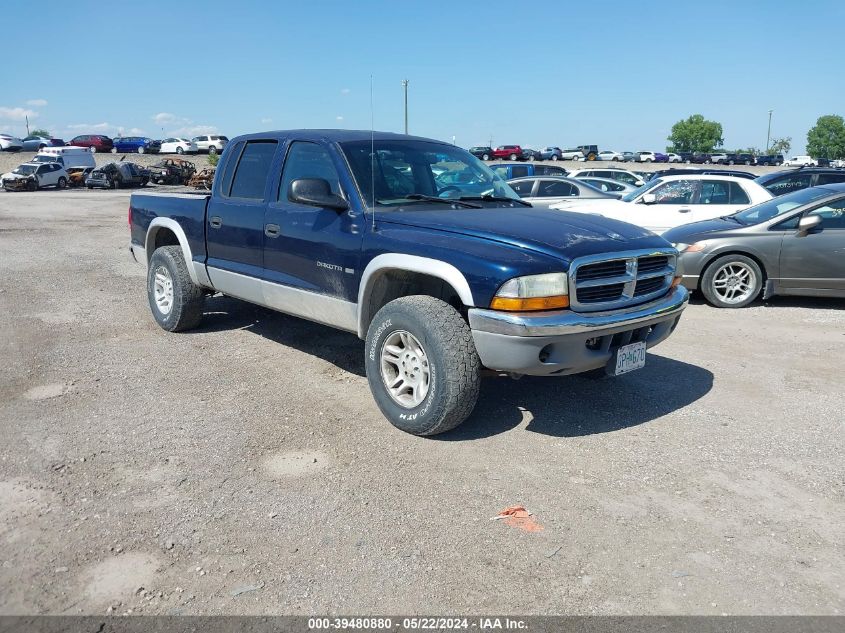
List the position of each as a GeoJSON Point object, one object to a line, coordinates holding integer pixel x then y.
{"type": "Point", "coordinates": [808, 223]}
{"type": "Point", "coordinates": [316, 192]}
{"type": "Point", "coordinates": [648, 198]}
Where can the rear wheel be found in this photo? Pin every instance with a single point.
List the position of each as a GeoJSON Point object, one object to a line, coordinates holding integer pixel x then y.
{"type": "Point", "coordinates": [179, 150]}
{"type": "Point", "coordinates": [141, 150]}
{"type": "Point", "coordinates": [555, 157]}
{"type": "Point", "coordinates": [92, 149]}
{"type": "Point", "coordinates": [514, 157]}
{"type": "Point", "coordinates": [114, 150]}
{"type": "Point", "coordinates": [732, 281]}
{"type": "Point", "coordinates": [422, 365]}
{"type": "Point", "coordinates": [175, 301]}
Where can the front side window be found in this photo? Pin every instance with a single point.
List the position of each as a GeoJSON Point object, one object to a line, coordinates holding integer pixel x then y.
{"type": "Point", "coordinates": [523, 187]}
{"type": "Point", "coordinates": [308, 160]}
{"type": "Point", "coordinates": [388, 171]}
{"type": "Point", "coordinates": [833, 214]}
{"type": "Point", "coordinates": [253, 168]}
{"type": "Point", "coordinates": [675, 192]}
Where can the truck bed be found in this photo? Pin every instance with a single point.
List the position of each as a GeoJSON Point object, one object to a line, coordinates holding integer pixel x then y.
{"type": "Point", "coordinates": [186, 209]}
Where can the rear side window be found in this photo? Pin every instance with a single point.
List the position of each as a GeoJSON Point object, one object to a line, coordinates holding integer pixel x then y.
{"type": "Point", "coordinates": [518, 171]}
{"type": "Point", "coordinates": [738, 195]}
{"type": "Point", "coordinates": [788, 184]}
{"type": "Point", "coordinates": [715, 192]}
{"type": "Point", "coordinates": [826, 179]}
{"type": "Point", "coordinates": [308, 160]}
{"type": "Point", "coordinates": [250, 177]}
{"type": "Point", "coordinates": [555, 189]}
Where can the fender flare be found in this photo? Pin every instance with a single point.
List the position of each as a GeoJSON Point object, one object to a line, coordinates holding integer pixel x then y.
{"type": "Point", "coordinates": [411, 263]}
{"type": "Point", "coordinates": [172, 225]}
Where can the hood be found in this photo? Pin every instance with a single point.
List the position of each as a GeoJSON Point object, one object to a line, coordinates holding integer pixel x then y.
{"type": "Point", "coordinates": [697, 231]}
{"type": "Point", "coordinates": [593, 205]}
{"type": "Point", "coordinates": [556, 233]}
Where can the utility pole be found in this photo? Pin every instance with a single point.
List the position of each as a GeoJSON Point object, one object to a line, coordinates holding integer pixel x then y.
{"type": "Point", "coordinates": [769, 133]}
{"type": "Point", "coordinates": [27, 124]}
{"type": "Point", "coordinates": [405, 86]}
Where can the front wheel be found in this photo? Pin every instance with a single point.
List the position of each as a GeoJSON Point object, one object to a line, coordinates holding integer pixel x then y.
{"type": "Point", "coordinates": [62, 183]}
{"type": "Point", "coordinates": [175, 301]}
{"type": "Point", "coordinates": [514, 157]}
{"type": "Point", "coordinates": [555, 157]}
{"type": "Point", "coordinates": [114, 150]}
{"type": "Point", "coordinates": [92, 149]}
{"type": "Point", "coordinates": [141, 150]}
{"type": "Point", "coordinates": [212, 150]}
{"type": "Point", "coordinates": [179, 150]}
{"type": "Point", "coordinates": [732, 281]}
{"type": "Point", "coordinates": [422, 365]}
{"type": "Point", "coordinates": [485, 157]}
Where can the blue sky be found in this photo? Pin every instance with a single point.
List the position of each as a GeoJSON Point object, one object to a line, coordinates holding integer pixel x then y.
{"type": "Point", "coordinates": [617, 74]}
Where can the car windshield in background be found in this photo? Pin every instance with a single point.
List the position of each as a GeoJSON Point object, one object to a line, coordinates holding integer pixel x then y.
{"type": "Point", "coordinates": [25, 170]}
{"type": "Point", "coordinates": [44, 159]}
{"type": "Point", "coordinates": [651, 184]}
{"type": "Point", "coordinates": [778, 206]}
{"type": "Point", "coordinates": [405, 170]}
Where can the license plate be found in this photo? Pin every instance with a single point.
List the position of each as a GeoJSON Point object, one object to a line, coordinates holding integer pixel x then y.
{"type": "Point", "coordinates": [628, 358]}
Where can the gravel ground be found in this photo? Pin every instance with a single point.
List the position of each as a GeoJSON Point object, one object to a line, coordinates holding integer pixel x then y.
{"type": "Point", "coordinates": [244, 467]}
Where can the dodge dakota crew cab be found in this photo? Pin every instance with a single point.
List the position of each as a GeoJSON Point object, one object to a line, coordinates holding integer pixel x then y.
{"type": "Point", "coordinates": [419, 249]}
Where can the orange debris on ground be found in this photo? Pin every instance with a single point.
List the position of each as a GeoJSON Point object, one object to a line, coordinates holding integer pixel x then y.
{"type": "Point", "coordinates": [519, 517]}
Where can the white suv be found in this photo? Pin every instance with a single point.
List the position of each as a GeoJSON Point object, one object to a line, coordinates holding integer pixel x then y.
{"type": "Point", "coordinates": [800, 161]}
{"type": "Point", "coordinates": [211, 143]}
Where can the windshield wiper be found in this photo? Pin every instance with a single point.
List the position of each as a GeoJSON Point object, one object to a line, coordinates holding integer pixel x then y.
{"type": "Point", "coordinates": [449, 201]}
{"type": "Point", "coordinates": [491, 198]}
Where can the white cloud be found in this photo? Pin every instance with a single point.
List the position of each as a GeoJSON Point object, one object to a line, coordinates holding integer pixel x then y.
{"type": "Point", "coordinates": [345, 91]}
{"type": "Point", "coordinates": [164, 117]}
{"type": "Point", "coordinates": [17, 114]}
{"type": "Point", "coordinates": [38, 103]}
{"type": "Point", "coordinates": [97, 127]}
{"type": "Point", "coordinates": [266, 120]}
{"type": "Point", "coordinates": [339, 118]}
{"type": "Point", "coordinates": [194, 130]}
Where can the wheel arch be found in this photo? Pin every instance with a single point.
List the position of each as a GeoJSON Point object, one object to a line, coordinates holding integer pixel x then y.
{"type": "Point", "coordinates": [168, 232]}
{"type": "Point", "coordinates": [734, 251]}
{"type": "Point", "coordinates": [390, 276]}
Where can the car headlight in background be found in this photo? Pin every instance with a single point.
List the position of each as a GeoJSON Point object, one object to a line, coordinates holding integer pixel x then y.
{"type": "Point", "coordinates": [549, 291]}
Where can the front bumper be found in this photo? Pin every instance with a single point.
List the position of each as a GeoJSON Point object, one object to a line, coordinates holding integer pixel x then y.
{"type": "Point", "coordinates": [565, 342]}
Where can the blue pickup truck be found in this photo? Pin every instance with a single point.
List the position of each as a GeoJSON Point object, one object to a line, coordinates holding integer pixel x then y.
{"type": "Point", "coordinates": [419, 249]}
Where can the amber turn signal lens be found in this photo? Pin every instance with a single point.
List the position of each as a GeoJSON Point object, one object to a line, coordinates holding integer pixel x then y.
{"type": "Point", "coordinates": [512, 304]}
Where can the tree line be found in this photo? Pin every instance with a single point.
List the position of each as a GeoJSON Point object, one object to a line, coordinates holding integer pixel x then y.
{"type": "Point", "coordinates": [826, 139]}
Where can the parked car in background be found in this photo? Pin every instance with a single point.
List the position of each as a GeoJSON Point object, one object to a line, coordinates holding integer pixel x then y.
{"type": "Point", "coordinates": [742, 158]}
{"type": "Point", "coordinates": [136, 144]}
{"type": "Point", "coordinates": [508, 152]}
{"type": "Point", "coordinates": [782, 182]}
{"type": "Point", "coordinates": [94, 142]}
{"type": "Point", "coordinates": [616, 188]}
{"type": "Point", "coordinates": [531, 154]}
{"type": "Point", "coordinates": [674, 158]}
{"type": "Point", "coordinates": [610, 155]}
{"type": "Point", "coordinates": [588, 152]}
{"type": "Point", "coordinates": [629, 157]}
{"type": "Point", "coordinates": [117, 175]}
{"type": "Point", "coordinates": [700, 158]}
{"type": "Point", "coordinates": [76, 175]}
{"type": "Point", "coordinates": [771, 159]}
{"type": "Point", "coordinates": [484, 153]}
{"type": "Point", "coordinates": [210, 143]}
{"type": "Point", "coordinates": [34, 176]}
{"type": "Point", "coordinates": [839, 163]}
{"type": "Point", "coordinates": [671, 201]}
{"type": "Point", "coordinates": [719, 158]}
{"type": "Point", "coordinates": [552, 153]}
{"type": "Point", "coordinates": [175, 145]}
{"type": "Point", "coordinates": [172, 171]}
{"type": "Point", "coordinates": [822, 162]}
{"type": "Point", "coordinates": [613, 173]}
{"type": "Point", "coordinates": [547, 190]}
{"type": "Point", "coordinates": [9, 143]}
{"type": "Point", "coordinates": [686, 157]}
{"type": "Point", "coordinates": [571, 154]}
{"type": "Point", "coordinates": [35, 143]}
{"type": "Point", "coordinates": [677, 171]}
{"type": "Point", "coordinates": [790, 245]}
{"type": "Point", "coordinates": [66, 156]}
{"type": "Point", "coordinates": [508, 170]}
{"type": "Point", "coordinates": [800, 161]}
{"type": "Point", "coordinates": [652, 157]}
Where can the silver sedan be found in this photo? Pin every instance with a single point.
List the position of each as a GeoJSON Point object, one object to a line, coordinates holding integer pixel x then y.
{"type": "Point", "coordinates": [543, 191]}
{"type": "Point", "coordinates": [615, 188]}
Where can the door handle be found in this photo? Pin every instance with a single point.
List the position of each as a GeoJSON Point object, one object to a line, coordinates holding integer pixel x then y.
{"type": "Point", "coordinates": [272, 230]}
{"type": "Point", "coordinates": [215, 221]}
{"type": "Point", "coordinates": [684, 210]}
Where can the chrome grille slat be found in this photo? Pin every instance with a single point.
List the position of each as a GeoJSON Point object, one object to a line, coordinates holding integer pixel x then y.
{"type": "Point", "coordinates": [620, 279]}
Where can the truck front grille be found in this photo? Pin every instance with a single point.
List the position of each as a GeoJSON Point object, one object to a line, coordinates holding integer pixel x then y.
{"type": "Point", "coordinates": [609, 282]}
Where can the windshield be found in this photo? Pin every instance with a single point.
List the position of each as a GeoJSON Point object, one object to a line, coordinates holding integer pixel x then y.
{"type": "Point", "coordinates": [406, 169]}
{"type": "Point", "coordinates": [778, 206]}
{"type": "Point", "coordinates": [45, 159]}
{"type": "Point", "coordinates": [25, 170]}
{"type": "Point", "coordinates": [636, 193]}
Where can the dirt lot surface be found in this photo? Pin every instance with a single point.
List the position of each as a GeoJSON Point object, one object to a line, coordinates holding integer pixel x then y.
{"type": "Point", "coordinates": [244, 467]}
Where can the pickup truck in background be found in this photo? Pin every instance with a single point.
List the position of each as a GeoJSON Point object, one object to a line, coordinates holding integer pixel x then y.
{"type": "Point", "coordinates": [421, 250]}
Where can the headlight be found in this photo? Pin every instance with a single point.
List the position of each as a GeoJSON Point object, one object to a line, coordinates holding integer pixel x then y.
{"type": "Point", "coordinates": [690, 248]}
{"type": "Point", "coordinates": [534, 292]}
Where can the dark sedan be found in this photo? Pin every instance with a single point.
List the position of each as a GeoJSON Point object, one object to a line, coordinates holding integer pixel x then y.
{"type": "Point", "coordinates": [791, 245]}
{"type": "Point", "coordinates": [117, 175]}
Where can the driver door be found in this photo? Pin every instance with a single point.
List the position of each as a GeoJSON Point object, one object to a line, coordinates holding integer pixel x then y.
{"type": "Point", "coordinates": [815, 261]}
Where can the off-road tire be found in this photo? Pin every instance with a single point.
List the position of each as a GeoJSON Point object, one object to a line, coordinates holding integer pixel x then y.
{"type": "Point", "coordinates": [188, 298]}
{"type": "Point", "coordinates": [453, 363]}
{"type": "Point", "coordinates": [710, 294]}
